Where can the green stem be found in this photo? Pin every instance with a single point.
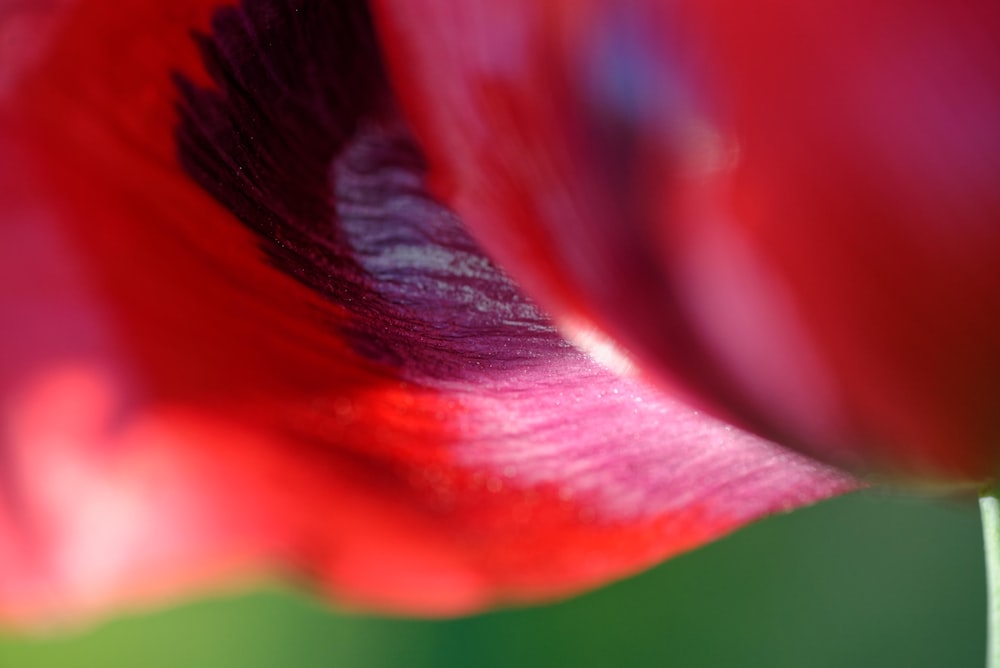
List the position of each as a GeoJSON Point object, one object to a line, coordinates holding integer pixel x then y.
{"type": "Point", "coordinates": [989, 507]}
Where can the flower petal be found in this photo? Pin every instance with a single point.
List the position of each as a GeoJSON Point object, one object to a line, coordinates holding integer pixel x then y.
{"type": "Point", "coordinates": [789, 210]}
{"type": "Point", "coordinates": [194, 393]}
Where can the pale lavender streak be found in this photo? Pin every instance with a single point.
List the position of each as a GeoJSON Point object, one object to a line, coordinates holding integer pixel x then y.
{"type": "Point", "coordinates": [450, 314]}
{"type": "Point", "coordinates": [542, 412]}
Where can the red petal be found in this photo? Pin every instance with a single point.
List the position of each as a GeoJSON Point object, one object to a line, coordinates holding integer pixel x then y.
{"type": "Point", "coordinates": [790, 208]}
{"type": "Point", "coordinates": [177, 411]}
{"type": "Point", "coordinates": [869, 185]}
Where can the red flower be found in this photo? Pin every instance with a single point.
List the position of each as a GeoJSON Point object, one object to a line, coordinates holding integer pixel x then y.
{"type": "Point", "coordinates": [791, 209]}
{"type": "Point", "coordinates": [240, 336]}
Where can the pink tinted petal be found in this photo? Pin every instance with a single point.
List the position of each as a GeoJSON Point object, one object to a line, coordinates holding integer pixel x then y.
{"type": "Point", "coordinates": [181, 407]}
{"type": "Point", "coordinates": [787, 209]}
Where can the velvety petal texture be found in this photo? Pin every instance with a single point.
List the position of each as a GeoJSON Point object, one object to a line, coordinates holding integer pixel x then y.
{"type": "Point", "coordinates": [787, 209]}
{"type": "Point", "coordinates": [243, 338]}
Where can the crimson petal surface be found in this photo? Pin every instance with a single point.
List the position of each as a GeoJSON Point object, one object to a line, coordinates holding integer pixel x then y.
{"type": "Point", "coordinates": [191, 393]}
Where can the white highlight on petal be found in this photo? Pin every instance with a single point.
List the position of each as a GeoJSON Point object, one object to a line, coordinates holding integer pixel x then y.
{"type": "Point", "coordinates": [599, 346]}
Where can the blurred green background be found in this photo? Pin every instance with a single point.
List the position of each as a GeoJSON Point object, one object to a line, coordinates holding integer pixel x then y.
{"type": "Point", "coordinates": [866, 580]}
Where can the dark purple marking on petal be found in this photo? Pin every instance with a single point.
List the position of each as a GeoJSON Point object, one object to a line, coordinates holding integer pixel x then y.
{"type": "Point", "coordinates": [301, 142]}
